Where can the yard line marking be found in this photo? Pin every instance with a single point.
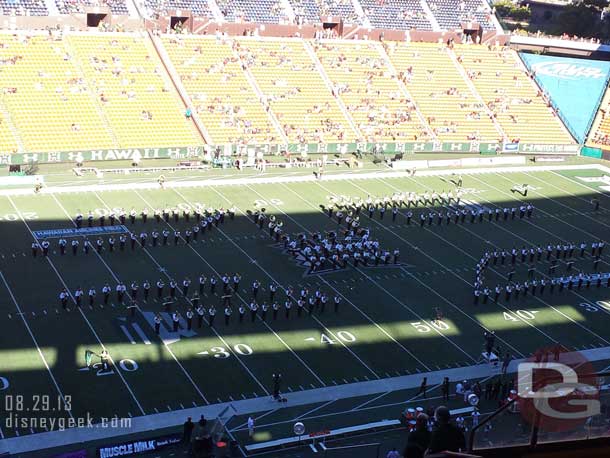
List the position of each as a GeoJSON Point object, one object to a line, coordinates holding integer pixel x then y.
{"type": "Point", "coordinates": [313, 448]}
{"type": "Point", "coordinates": [315, 409]}
{"type": "Point", "coordinates": [10, 291]}
{"type": "Point", "coordinates": [140, 332]}
{"type": "Point", "coordinates": [182, 406]}
{"type": "Point", "coordinates": [405, 306]}
{"type": "Point", "coordinates": [194, 404]}
{"type": "Point", "coordinates": [127, 334]}
{"type": "Point", "coordinates": [369, 401]}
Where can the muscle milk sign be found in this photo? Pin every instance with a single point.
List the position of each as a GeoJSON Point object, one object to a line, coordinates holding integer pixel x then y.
{"type": "Point", "coordinates": [136, 447]}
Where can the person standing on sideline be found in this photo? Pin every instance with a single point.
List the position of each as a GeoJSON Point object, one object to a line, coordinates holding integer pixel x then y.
{"type": "Point", "coordinates": [250, 426]}
{"type": "Point", "coordinates": [423, 387]}
{"type": "Point", "coordinates": [445, 389]}
{"type": "Point", "coordinates": [187, 431]}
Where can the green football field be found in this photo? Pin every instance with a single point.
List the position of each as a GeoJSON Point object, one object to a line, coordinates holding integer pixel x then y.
{"type": "Point", "coordinates": [384, 327]}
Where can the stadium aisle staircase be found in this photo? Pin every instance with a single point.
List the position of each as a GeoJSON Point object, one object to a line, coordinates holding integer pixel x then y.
{"type": "Point", "coordinates": [374, 100]}
{"type": "Point", "coordinates": [508, 91]}
{"type": "Point", "coordinates": [599, 135]}
{"type": "Point", "coordinates": [8, 143]}
{"type": "Point", "coordinates": [223, 98]}
{"type": "Point", "coordinates": [141, 104]}
{"type": "Point", "coordinates": [296, 92]}
{"type": "Point", "coordinates": [47, 97]}
{"type": "Point", "coordinates": [440, 92]}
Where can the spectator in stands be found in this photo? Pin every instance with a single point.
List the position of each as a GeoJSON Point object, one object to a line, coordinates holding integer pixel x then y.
{"type": "Point", "coordinates": [446, 436]}
{"type": "Point", "coordinates": [418, 439]}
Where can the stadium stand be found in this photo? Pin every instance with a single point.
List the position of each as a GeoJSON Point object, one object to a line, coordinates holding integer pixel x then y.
{"type": "Point", "coordinates": [441, 92]}
{"type": "Point", "coordinates": [362, 78]}
{"type": "Point", "coordinates": [79, 6]}
{"type": "Point", "coordinates": [23, 8]}
{"type": "Point", "coordinates": [265, 11]}
{"type": "Point", "coordinates": [518, 104]}
{"type": "Point", "coordinates": [396, 14]}
{"type": "Point", "coordinates": [133, 90]}
{"type": "Point", "coordinates": [450, 14]}
{"type": "Point", "coordinates": [310, 11]}
{"type": "Point", "coordinates": [199, 8]}
{"type": "Point", "coordinates": [296, 92]}
{"type": "Point", "coordinates": [221, 94]}
{"type": "Point", "coordinates": [49, 101]}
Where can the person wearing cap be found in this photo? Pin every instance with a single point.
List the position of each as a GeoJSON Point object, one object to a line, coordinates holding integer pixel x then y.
{"type": "Point", "coordinates": [446, 436]}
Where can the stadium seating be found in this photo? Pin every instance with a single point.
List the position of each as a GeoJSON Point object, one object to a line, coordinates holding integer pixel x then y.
{"type": "Point", "coordinates": [78, 6]}
{"type": "Point", "coordinates": [396, 14]}
{"type": "Point", "coordinates": [266, 11]}
{"type": "Point", "coordinates": [199, 8]}
{"type": "Point", "coordinates": [136, 96]}
{"type": "Point", "coordinates": [311, 10]}
{"type": "Point", "coordinates": [450, 14]}
{"type": "Point", "coordinates": [50, 103]}
{"type": "Point", "coordinates": [296, 92]}
{"type": "Point", "coordinates": [23, 8]}
{"type": "Point", "coordinates": [441, 92]}
{"type": "Point", "coordinates": [221, 94]}
{"type": "Point", "coordinates": [373, 98]}
{"type": "Point", "coordinates": [509, 92]}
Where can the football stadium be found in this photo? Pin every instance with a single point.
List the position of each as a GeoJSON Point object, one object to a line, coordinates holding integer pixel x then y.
{"type": "Point", "coordinates": [302, 228]}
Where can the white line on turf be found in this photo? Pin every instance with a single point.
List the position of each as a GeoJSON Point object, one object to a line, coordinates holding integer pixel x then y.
{"type": "Point", "coordinates": [61, 279]}
{"type": "Point", "coordinates": [243, 425]}
{"type": "Point", "coordinates": [141, 333]}
{"type": "Point", "coordinates": [46, 364]}
{"type": "Point", "coordinates": [315, 409]}
{"type": "Point", "coordinates": [328, 331]}
{"type": "Point", "coordinates": [116, 278]}
{"type": "Point", "coordinates": [127, 334]}
{"type": "Point", "coordinates": [381, 287]}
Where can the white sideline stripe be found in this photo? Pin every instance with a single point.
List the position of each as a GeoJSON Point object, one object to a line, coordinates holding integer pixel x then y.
{"type": "Point", "coordinates": [140, 332]}
{"type": "Point", "coordinates": [127, 334]}
{"type": "Point", "coordinates": [315, 409]}
{"type": "Point", "coordinates": [211, 182]}
{"type": "Point", "coordinates": [43, 440]}
{"type": "Point", "coordinates": [10, 292]}
{"type": "Point", "coordinates": [61, 279]}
